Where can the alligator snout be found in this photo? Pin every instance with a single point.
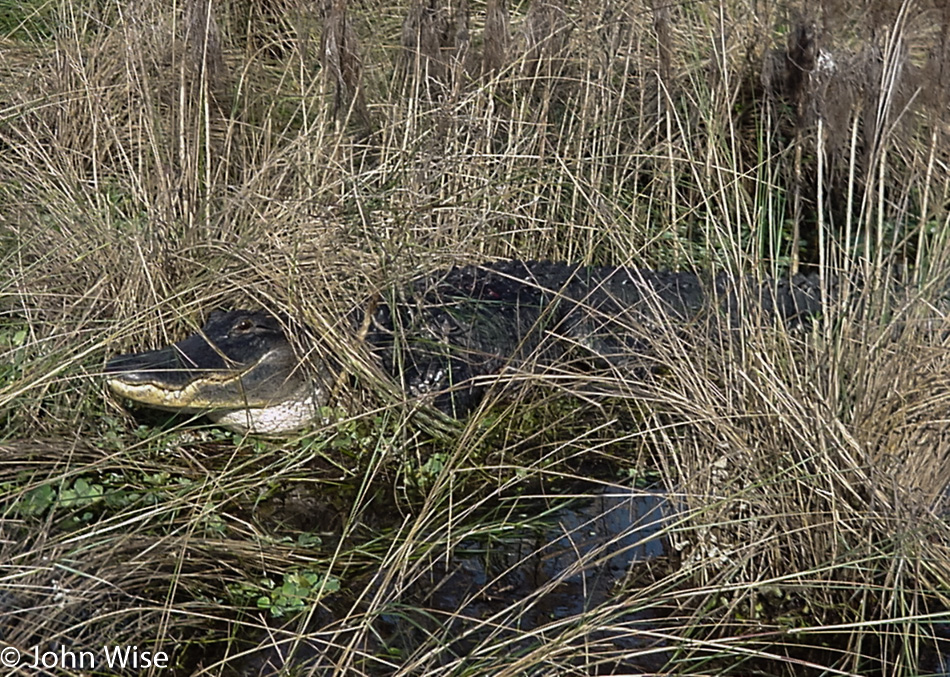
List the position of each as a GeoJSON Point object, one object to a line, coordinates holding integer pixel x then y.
{"type": "Point", "coordinates": [240, 369]}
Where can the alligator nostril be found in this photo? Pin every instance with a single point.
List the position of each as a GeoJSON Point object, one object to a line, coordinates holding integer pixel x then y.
{"type": "Point", "coordinates": [121, 363]}
{"type": "Point", "coordinates": [134, 376]}
{"type": "Point", "coordinates": [151, 362]}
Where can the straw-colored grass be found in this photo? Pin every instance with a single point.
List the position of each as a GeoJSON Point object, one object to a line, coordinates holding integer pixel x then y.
{"type": "Point", "coordinates": [159, 160]}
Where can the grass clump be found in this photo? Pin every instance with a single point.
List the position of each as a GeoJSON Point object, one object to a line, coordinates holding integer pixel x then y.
{"type": "Point", "coordinates": [163, 160]}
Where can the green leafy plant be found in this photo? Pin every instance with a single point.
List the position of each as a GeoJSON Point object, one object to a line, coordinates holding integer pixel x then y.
{"type": "Point", "coordinates": [295, 593]}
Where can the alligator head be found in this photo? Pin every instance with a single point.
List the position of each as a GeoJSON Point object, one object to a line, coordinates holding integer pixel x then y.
{"type": "Point", "coordinates": [240, 370]}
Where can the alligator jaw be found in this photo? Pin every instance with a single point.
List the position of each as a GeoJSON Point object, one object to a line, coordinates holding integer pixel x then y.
{"type": "Point", "coordinates": [279, 419]}
{"type": "Point", "coordinates": [240, 370]}
{"type": "Point", "coordinates": [212, 392]}
{"type": "Point", "coordinates": [144, 389]}
{"type": "Point", "coordinates": [221, 396]}
{"type": "Point", "coordinates": [160, 379]}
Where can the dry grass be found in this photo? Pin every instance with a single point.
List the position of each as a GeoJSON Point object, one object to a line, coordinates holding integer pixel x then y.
{"type": "Point", "coordinates": [158, 161]}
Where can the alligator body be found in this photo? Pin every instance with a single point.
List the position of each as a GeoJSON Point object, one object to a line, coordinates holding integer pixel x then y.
{"type": "Point", "coordinates": [447, 337]}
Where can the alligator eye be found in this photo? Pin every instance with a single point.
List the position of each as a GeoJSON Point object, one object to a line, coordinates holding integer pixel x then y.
{"type": "Point", "coordinates": [243, 325]}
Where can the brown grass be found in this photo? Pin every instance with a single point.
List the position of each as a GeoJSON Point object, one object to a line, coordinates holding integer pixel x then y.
{"type": "Point", "coordinates": [159, 161]}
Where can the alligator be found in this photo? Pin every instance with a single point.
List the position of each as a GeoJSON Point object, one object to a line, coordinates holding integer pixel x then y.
{"type": "Point", "coordinates": [446, 338]}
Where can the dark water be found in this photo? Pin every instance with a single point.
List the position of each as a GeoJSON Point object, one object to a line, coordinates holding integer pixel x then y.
{"type": "Point", "coordinates": [586, 548]}
{"type": "Point", "coordinates": [530, 586]}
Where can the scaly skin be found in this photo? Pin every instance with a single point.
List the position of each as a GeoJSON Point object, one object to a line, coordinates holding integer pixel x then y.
{"type": "Point", "coordinates": [452, 327]}
{"type": "Point", "coordinates": [447, 336]}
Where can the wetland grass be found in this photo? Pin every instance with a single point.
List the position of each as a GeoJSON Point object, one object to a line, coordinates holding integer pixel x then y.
{"type": "Point", "coordinates": [160, 160]}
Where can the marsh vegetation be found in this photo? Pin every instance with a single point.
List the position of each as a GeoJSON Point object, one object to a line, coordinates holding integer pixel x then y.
{"type": "Point", "coordinates": [159, 160]}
